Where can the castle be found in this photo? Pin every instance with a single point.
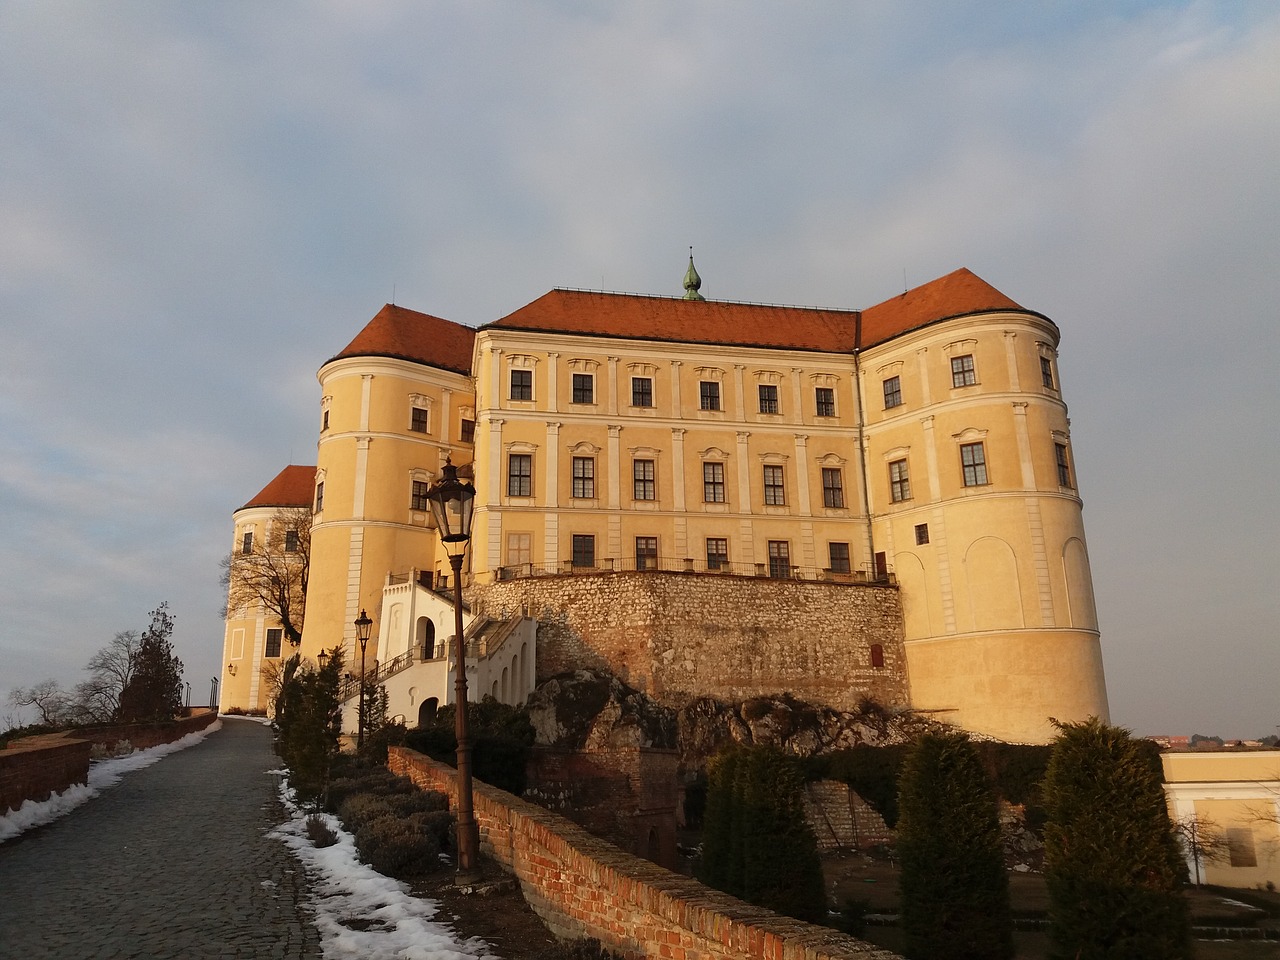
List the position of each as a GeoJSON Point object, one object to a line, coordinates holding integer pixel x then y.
{"type": "Point", "coordinates": [709, 498]}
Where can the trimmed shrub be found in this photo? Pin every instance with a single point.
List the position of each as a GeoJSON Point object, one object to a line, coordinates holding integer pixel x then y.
{"type": "Point", "coordinates": [398, 847]}
{"type": "Point", "coordinates": [756, 843]}
{"type": "Point", "coordinates": [955, 892]}
{"type": "Point", "coordinates": [321, 834]}
{"type": "Point", "coordinates": [1112, 862]}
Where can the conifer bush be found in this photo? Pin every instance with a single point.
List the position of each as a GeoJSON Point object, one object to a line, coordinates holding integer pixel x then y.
{"type": "Point", "coordinates": [756, 843]}
{"type": "Point", "coordinates": [1112, 863]}
{"type": "Point", "coordinates": [955, 892]}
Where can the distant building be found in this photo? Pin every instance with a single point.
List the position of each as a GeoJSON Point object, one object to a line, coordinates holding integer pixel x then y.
{"type": "Point", "coordinates": [916, 455]}
{"type": "Point", "coordinates": [1233, 795]}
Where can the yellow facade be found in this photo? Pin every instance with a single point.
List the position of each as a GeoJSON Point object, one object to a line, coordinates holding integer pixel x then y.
{"type": "Point", "coordinates": [1234, 799]}
{"type": "Point", "coordinates": [253, 641]}
{"type": "Point", "coordinates": [373, 448]}
{"type": "Point", "coordinates": [939, 456]}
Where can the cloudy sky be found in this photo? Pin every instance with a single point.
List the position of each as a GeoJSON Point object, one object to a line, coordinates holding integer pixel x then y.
{"type": "Point", "coordinates": [201, 203]}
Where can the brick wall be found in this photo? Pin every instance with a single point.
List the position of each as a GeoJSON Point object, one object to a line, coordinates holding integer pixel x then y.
{"type": "Point", "coordinates": [36, 770]}
{"type": "Point", "coordinates": [583, 886]}
{"type": "Point", "coordinates": [676, 636]}
{"type": "Point", "coordinates": [36, 767]}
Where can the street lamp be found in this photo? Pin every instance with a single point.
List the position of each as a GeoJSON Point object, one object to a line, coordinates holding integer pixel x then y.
{"type": "Point", "coordinates": [452, 503]}
{"type": "Point", "coordinates": [363, 626]}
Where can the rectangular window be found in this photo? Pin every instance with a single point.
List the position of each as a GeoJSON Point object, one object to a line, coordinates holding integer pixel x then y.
{"type": "Point", "coordinates": [468, 431]}
{"type": "Point", "coordinates": [775, 494]}
{"type": "Point", "coordinates": [1046, 372]}
{"type": "Point", "coordinates": [899, 481]}
{"type": "Point", "coordinates": [642, 477]}
{"type": "Point", "coordinates": [274, 636]}
{"type": "Point", "coordinates": [768, 398]}
{"type": "Point", "coordinates": [584, 477]}
{"type": "Point", "coordinates": [973, 458]}
{"type": "Point", "coordinates": [1064, 465]}
{"type": "Point", "coordinates": [324, 421]}
{"type": "Point", "coordinates": [1240, 847]}
{"type": "Point", "coordinates": [892, 393]}
{"type": "Point", "coordinates": [962, 373]}
{"type": "Point", "coordinates": [708, 395]}
{"type": "Point", "coordinates": [642, 391]}
{"type": "Point", "coordinates": [584, 388]}
{"type": "Point", "coordinates": [521, 384]}
{"type": "Point", "coordinates": [246, 543]}
{"type": "Point", "coordinates": [779, 558]}
{"type": "Point", "coordinates": [922, 534]}
{"type": "Point", "coordinates": [646, 553]}
{"type": "Point", "coordinates": [825, 401]}
{"type": "Point", "coordinates": [418, 419]}
{"type": "Point", "coordinates": [713, 482]}
{"type": "Point", "coordinates": [520, 475]}
{"type": "Point", "coordinates": [832, 487]}
{"type": "Point", "coordinates": [291, 541]}
{"type": "Point", "coordinates": [717, 553]}
{"type": "Point", "coordinates": [319, 496]}
{"type": "Point", "coordinates": [519, 548]}
{"type": "Point", "coordinates": [838, 553]}
{"type": "Point", "coordinates": [584, 550]}
{"type": "Point", "coordinates": [418, 497]}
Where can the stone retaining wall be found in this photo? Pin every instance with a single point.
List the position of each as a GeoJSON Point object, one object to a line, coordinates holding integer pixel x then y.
{"type": "Point", "coordinates": [842, 820]}
{"type": "Point", "coordinates": [582, 886]}
{"type": "Point", "coordinates": [675, 636]}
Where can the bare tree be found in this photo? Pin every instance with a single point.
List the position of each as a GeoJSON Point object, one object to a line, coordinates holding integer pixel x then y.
{"type": "Point", "coordinates": [1203, 839]}
{"type": "Point", "coordinates": [51, 702]}
{"type": "Point", "coordinates": [274, 571]}
{"type": "Point", "coordinates": [110, 670]}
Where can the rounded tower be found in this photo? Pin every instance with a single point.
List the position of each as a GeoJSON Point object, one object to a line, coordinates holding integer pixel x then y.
{"type": "Point", "coordinates": [394, 403]}
{"type": "Point", "coordinates": [977, 510]}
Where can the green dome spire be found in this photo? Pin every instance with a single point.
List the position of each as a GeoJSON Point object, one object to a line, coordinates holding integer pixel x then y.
{"type": "Point", "coordinates": [692, 282]}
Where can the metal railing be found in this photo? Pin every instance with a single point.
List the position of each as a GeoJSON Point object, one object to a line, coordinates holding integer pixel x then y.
{"type": "Point", "coordinates": [775, 570]}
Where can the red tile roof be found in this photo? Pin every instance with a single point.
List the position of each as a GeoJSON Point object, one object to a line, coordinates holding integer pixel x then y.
{"type": "Point", "coordinates": [683, 321]}
{"type": "Point", "coordinates": [410, 335]}
{"type": "Point", "coordinates": [748, 324]}
{"type": "Point", "coordinates": [293, 486]}
{"type": "Point", "coordinates": [959, 293]}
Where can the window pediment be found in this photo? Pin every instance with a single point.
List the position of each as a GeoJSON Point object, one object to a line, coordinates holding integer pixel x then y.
{"type": "Point", "coordinates": [969, 435]}
{"type": "Point", "coordinates": [713, 453]}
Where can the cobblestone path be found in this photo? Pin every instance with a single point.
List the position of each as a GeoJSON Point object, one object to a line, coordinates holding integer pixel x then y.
{"type": "Point", "coordinates": [171, 862]}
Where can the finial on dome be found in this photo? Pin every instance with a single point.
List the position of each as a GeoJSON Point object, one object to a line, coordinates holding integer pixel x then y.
{"type": "Point", "coordinates": [692, 282]}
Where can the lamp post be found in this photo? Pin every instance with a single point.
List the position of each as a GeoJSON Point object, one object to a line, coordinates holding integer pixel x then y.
{"type": "Point", "coordinates": [452, 503]}
{"type": "Point", "coordinates": [363, 626]}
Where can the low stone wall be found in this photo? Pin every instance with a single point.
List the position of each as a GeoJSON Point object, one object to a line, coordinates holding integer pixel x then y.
{"type": "Point", "coordinates": [583, 886]}
{"type": "Point", "coordinates": [143, 735]}
{"type": "Point", "coordinates": [676, 636]}
{"type": "Point", "coordinates": [34, 768]}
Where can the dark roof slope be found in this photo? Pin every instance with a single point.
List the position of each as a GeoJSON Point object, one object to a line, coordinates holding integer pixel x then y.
{"type": "Point", "coordinates": [683, 321]}
{"type": "Point", "coordinates": [410, 335]}
{"type": "Point", "coordinates": [959, 293]}
{"type": "Point", "coordinates": [293, 486]}
{"type": "Point", "coordinates": [754, 325]}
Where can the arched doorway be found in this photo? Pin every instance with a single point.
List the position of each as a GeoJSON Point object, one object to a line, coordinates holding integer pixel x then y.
{"type": "Point", "coordinates": [427, 711]}
{"type": "Point", "coordinates": [425, 638]}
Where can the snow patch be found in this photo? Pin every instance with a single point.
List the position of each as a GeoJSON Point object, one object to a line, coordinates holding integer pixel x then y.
{"type": "Point", "coordinates": [361, 913]}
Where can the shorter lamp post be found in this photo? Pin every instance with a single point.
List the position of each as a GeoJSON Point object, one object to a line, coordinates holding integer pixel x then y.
{"type": "Point", "coordinates": [363, 626]}
{"type": "Point", "coordinates": [452, 503]}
